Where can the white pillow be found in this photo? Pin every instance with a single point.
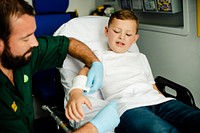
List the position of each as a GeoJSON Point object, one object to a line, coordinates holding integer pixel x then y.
{"type": "Point", "coordinates": [90, 30]}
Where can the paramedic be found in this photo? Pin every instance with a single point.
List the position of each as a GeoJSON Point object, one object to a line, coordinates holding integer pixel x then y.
{"type": "Point", "coordinates": [21, 55]}
{"type": "Point", "coordinates": [142, 108]}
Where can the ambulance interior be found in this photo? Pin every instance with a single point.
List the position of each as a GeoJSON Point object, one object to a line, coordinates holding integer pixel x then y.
{"type": "Point", "coordinates": [168, 37]}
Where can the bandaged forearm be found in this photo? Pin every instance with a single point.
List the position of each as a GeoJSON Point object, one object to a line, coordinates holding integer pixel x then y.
{"type": "Point", "coordinates": [79, 82]}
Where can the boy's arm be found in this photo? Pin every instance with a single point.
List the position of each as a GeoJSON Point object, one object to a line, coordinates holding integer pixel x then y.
{"type": "Point", "coordinates": [73, 109]}
{"type": "Point", "coordinates": [156, 88]}
{"type": "Point", "coordinates": [84, 71]}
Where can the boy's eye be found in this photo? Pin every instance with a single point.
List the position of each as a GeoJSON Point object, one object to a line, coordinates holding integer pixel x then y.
{"type": "Point", "coordinates": [116, 31]}
{"type": "Point", "coordinates": [129, 34]}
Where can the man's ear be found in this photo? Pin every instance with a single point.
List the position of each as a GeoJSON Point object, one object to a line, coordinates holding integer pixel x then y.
{"type": "Point", "coordinates": [106, 31]}
{"type": "Point", "coordinates": [1, 45]}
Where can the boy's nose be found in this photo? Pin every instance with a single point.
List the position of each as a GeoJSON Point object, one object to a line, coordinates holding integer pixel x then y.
{"type": "Point", "coordinates": [121, 36]}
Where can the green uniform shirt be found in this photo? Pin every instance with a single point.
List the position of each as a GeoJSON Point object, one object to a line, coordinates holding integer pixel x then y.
{"type": "Point", "coordinates": [16, 105]}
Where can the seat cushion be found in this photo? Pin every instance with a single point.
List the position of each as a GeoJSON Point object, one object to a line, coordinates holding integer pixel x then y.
{"type": "Point", "coordinates": [50, 6]}
{"type": "Point", "coordinates": [48, 24]}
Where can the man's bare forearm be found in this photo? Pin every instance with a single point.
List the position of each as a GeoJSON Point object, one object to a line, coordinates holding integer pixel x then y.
{"type": "Point", "coordinates": [79, 50]}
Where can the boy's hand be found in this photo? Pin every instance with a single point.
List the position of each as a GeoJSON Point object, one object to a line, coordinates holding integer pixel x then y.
{"type": "Point", "coordinates": [73, 109]}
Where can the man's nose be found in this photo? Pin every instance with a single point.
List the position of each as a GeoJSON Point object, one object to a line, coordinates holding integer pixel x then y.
{"type": "Point", "coordinates": [34, 42]}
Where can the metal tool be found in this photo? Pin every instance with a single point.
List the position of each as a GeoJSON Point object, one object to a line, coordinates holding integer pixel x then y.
{"type": "Point", "coordinates": [57, 119]}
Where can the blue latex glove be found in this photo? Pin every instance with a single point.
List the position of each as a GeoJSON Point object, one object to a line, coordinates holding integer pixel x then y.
{"type": "Point", "coordinates": [107, 118]}
{"type": "Point", "coordinates": [95, 76]}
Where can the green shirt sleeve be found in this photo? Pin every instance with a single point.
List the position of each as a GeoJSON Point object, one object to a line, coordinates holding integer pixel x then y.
{"type": "Point", "coordinates": [50, 52]}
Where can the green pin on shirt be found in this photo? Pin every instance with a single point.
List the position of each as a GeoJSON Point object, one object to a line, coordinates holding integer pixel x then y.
{"type": "Point", "coordinates": [25, 78]}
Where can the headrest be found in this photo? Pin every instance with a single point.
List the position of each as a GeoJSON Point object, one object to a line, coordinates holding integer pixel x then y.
{"type": "Point", "coordinates": [50, 6]}
{"type": "Point", "coordinates": [90, 30]}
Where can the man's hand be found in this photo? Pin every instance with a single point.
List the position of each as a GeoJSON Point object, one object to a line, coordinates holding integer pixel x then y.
{"type": "Point", "coordinates": [73, 109]}
{"type": "Point", "coordinates": [95, 76]}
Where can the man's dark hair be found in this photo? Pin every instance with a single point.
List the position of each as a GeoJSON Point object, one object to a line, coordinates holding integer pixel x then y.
{"type": "Point", "coordinates": [9, 9]}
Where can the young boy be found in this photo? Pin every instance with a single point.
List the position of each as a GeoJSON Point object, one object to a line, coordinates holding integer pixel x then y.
{"type": "Point", "coordinates": [129, 82]}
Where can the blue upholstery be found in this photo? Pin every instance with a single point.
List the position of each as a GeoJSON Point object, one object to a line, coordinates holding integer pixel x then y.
{"type": "Point", "coordinates": [48, 88]}
{"type": "Point", "coordinates": [50, 15]}
{"type": "Point", "coordinates": [48, 24]}
{"type": "Point", "coordinates": [50, 6]}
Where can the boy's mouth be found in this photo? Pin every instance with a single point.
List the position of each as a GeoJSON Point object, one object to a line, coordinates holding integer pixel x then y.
{"type": "Point", "coordinates": [120, 44]}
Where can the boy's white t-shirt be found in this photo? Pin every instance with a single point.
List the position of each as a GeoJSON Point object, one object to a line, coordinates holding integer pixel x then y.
{"type": "Point", "coordinates": [128, 80]}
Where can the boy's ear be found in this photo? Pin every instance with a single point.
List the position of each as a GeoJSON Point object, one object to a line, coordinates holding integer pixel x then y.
{"type": "Point", "coordinates": [106, 31]}
{"type": "Point", "coordinates": [137, 37]}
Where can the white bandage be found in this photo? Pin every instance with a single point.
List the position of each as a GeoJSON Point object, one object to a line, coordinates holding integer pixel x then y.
{"type": "Point", "coordinates": [79, 82]}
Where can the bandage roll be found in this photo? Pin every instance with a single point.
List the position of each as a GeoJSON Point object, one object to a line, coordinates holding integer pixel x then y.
{"type": "Point", "coordinates": [79, 82]}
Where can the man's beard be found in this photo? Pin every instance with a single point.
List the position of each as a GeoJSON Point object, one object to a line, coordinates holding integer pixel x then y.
{"type": "Point", "coordinates": [13, 62]}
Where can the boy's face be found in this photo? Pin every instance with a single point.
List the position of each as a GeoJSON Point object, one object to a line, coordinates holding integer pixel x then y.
{"type": "Point", "coordinates": [121, 35]}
